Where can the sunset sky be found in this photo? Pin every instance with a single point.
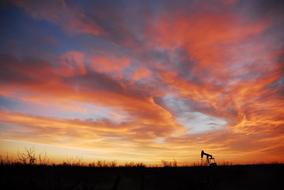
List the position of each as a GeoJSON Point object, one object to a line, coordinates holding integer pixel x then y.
{"type": "Point", "coordinates": [145, 81]}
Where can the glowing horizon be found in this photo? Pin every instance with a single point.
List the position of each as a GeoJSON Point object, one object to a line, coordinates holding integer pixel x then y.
{"type": "Point", "coordinates": [143, 81]}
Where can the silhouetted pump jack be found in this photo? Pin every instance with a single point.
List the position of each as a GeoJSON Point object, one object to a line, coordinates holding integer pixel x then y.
{"type": "Point", "coordinates": [209, 158]}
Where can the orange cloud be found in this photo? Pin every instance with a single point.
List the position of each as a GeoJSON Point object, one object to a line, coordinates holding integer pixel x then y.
{"type": "Point", "coordinates": [55, 88]}
{"type": "Point", "coordinates": [107, 136]}
{"type": "Point", "coordinates": [106, 63]}
{"type": "Point", "coordinates": [140, 74]}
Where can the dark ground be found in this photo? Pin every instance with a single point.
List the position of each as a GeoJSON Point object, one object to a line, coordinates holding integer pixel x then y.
{"type": "Point", "coordinates": [181, 178]}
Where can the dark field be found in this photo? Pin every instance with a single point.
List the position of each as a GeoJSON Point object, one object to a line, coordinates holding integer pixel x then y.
{"type": "Point", "coordinates": [179, 178]}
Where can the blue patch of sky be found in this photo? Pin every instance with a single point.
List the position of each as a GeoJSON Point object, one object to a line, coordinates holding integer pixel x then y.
{"type": "Point", "coordinates": [7, 103]}
{"type": "Point", "coordinates": [196, 122]}
{"type": "Point", "coordinates": [25, 32]}
{"type": "Point", "coordinates": [78, 110]}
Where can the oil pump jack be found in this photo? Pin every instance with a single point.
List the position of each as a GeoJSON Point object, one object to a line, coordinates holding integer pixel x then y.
{"type": "Point", "coordinates": [209, 158]}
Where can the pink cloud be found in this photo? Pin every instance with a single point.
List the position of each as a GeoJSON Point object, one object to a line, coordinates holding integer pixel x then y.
{"type": "Point", "coordinates": [72, 63]}
{"type": "Point", "coordinates": [109, 63]}
{"type": "Point", "coordinates": [140, 73]}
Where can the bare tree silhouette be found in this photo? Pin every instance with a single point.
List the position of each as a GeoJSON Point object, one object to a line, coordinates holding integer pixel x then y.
{"type": "Point", "coordinates": [27, 157]}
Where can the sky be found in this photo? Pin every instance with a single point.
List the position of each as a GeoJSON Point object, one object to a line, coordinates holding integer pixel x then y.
{"type": "Point", "coordinates": [143, 81]}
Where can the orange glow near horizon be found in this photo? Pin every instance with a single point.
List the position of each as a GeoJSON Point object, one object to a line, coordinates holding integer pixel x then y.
{"type": "Point", "coordinates": [143, 82]}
